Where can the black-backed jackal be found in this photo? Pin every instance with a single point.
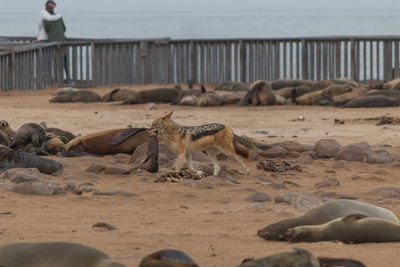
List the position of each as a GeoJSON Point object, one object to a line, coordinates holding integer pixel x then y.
{"type": "Point", "coordinates": [212, 138]}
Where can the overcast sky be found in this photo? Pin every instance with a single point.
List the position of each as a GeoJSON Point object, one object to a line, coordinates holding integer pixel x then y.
{"type": "Point", "coordinates": [115, 5]}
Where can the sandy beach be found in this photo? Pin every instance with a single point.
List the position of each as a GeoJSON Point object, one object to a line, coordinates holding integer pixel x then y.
{"type": "Point", "coordinates": [208, 219]}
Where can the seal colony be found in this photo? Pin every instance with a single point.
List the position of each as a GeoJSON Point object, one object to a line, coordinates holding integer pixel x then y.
{"type": "Point", "coordinates": [349, 221]}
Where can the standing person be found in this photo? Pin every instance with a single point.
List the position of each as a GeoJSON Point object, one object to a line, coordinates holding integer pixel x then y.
{"type": "Point", "coordinates": [47, 14]}
{"type": "Point", "coordinates": [52, 28]}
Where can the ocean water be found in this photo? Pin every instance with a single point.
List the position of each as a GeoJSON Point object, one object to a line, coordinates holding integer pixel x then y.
{"type": "Point", "coordinates": [256, 23]}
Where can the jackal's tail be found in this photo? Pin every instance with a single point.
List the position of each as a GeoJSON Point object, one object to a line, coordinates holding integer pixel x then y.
{"type": "Point", "coordinates": [241, 150]}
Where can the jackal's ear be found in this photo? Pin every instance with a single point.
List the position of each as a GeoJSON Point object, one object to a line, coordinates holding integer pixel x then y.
{"type": "Point", "coordinates": [166, 115]}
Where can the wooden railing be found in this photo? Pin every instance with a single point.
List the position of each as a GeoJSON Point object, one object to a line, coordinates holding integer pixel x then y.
{"type": "Point", "coordinates": [86, 62]}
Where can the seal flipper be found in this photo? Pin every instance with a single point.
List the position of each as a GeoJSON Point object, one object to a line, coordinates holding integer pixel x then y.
{"type": "Point", "coordinates": [122, 136]}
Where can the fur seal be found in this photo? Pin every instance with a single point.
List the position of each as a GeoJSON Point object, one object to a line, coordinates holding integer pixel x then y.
{"type": "Point", "coordinates": [319, 85]}
{"type": "Point", "coordinates": [260, 94]}
{"type": "Point", "coordinates": [209, 100]}
{"type": "Point", "coordinates": [6, 133]}
{"type": "Point", "coordinates": [158, 95]}
{"type": "Point", "coordinates": [324, 213]}
{"type": "Point", "coordinates": [29, 133]}
{"type": "Point", "coordinates": [119, 94]}
{"type": "Point", "coordinates": [342, 99]}
{"type": "Point", "coordinates": [107, 142]}
{"type": "Point", "coordinates": [387, 93]}
{"type": "Point", "coordinates": [374, 101]}
{"type": "Point", "coordinates": [54, 254]}
{"type": "Point", "coordinates": [297, 258]}
{"type": "Point", "coordinates": [231, 86]}
{"type": "Point", "coordinates": [13, 159]}
{"type": "Point", "coordinates": [338, 89]}
{"type": "Point", "coordinates": [167, 258]}
{"type": "Point", "coordinates": [345, 81]}
{"type": "Point", "coordinates": [85, 96]}
{"type": "Point", "coordinates": [392, 84]}
{"type": "Point", "coordinates": [279, 84]}
{"type": "Point", "coordinates": [309, 98]}
{"type": "Point", "coordinates": [152, 152]}
{"type": "Point", "coordinates": [354, 228]}
{"type": "Point", "coordinates": [333, 262]}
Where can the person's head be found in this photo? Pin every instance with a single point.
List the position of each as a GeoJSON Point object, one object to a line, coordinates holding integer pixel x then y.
{"type": "Point", "coordinates": [50, 5]}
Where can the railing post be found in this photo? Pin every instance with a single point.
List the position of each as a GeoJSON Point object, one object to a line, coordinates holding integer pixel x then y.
{"type": "Point", "coordinates": [13, 72]}
{"type": "Point", "coordinates": [242, 62]}
{"type": "Point", "coordinates": [39, 78]}
{"type": "Point", "coordinates": [143, 58]}
{"type": "Point", "coordinates": [193, 55]}
{"type": "Point", "coordinates": [353, 60]}
{"type": "Point", "coordinates": [93, 69]}
{"type": "Point", "coordinates": [304, 59]}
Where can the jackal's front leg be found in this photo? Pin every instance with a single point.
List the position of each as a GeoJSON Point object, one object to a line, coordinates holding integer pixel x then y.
{"type": "Point", "coordinates": [180, 160]}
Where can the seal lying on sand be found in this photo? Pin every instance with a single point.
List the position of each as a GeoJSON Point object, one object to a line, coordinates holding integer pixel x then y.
{"type": "Point", "coordinates": [354, 228]}
{"type": "Point", "coordinates": [29, 133]}
{"type": "Point", "coordinates": [158, 95]}
{"type": "Point", "coordinates": [54, 254]}
{"type": "Point", "coordinates": [298, 258]}
{"type": "Point", "coordinates": [119, 94]}
{"type": "Point", "coordinates": [13, 159]}
{"type": "Point", "coordinates": [374, 101]}
{"type": "Point", "coordinates": [107, 142]}
{"type": "Point", "coordinates": [324, 213]}
{"type": "Point", "coordinates": [167, 258]}
{"type": "Point", "coordinates": [85, 96]}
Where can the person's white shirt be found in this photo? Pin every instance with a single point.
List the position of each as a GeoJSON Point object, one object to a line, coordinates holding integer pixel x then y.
{"type": "Point", "coordinates": [45, 15]}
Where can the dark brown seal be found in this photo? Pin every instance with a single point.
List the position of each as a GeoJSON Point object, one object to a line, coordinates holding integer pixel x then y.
{"type": "Point", "coordinates": [29, 133]}
{"type": "Point", "coordinates": [260, 94]}
{"type": "Point", "coordinates": [157, 95]}
{"type": "Point", "coordinates": [167, 258]}
{"type": "Point", "coordinates": [10, 158]}
{"type": "Point", "coordinates": [152, 152]}
{"type": "Point", "coordinates": [54, 254]}
{"type": "Point", "coordinates": [297, 258]}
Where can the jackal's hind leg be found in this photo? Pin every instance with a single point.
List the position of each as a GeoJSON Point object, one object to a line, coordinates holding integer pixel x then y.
{"type": "Point", "coordinates": [212, 153]}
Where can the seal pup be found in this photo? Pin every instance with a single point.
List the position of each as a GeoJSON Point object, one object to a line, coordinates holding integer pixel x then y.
{"type": "Point", "coordinates": [354, 228]}
{"type": "Point", "coordinates": [212, 138]}
{"type": "Point", "coordinates": [152, 152]}
{"type": "Point", "coordinates": [167, 258]}
{"type": "Point", "coordinates": [107, 142]}
{"type": "Point", "coordinates": [297, 258]}
{"type": "Point", "coordinates": [29, 133]}
{"type": "Point", "coordinates": [6, 133]}
{"type": "Point", "coordinates": [54, 254]}
{"type": "Point", "coordinates": [324, 213]}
